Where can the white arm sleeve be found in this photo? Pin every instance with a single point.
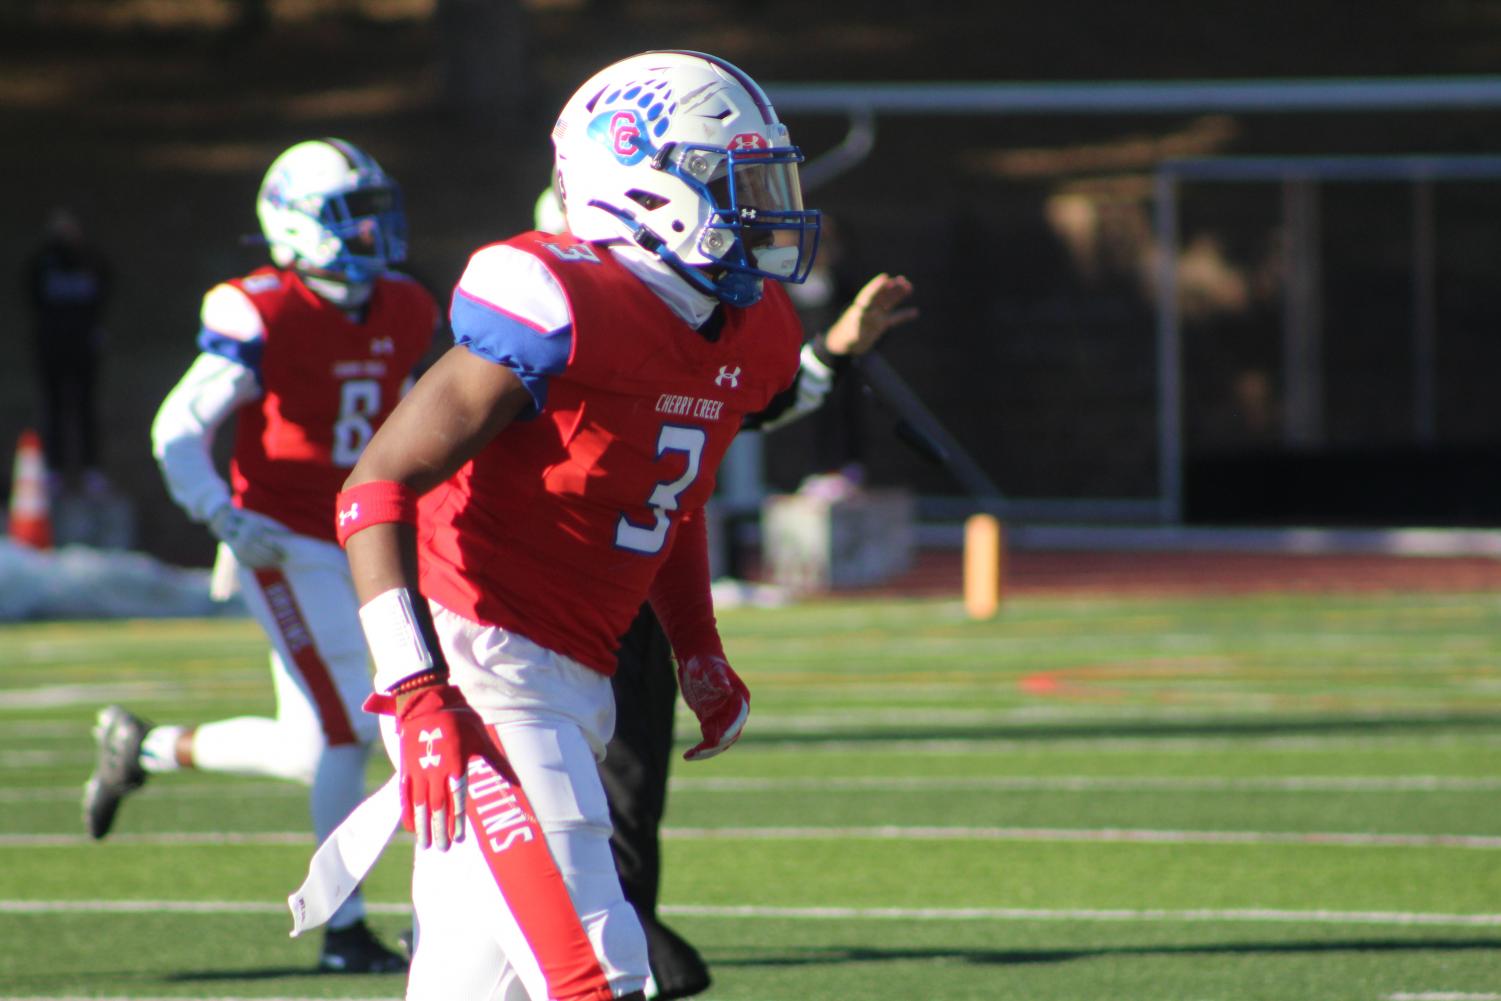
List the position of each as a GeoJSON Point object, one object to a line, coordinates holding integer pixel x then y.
{"type": "Point", "coordinates": [814, 381]}
{"type": "Point", "coordinates": [182, 435]}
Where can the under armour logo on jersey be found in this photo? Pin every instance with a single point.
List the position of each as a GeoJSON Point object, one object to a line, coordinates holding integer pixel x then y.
{"type": "Point", "coordinates": [432, 759]}
{"type": "Point", "coordinates": [382, 346]}
{"type": "Point", "coordinates": [349, 514]}
{"type": "Point", "coordinates": [728, 376]}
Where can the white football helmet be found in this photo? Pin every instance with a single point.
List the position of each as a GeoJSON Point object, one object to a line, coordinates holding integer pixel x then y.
{"type": "Point", "coordinates": [682, 153]}
{"type": "Point", "coordinates": [326, 207]}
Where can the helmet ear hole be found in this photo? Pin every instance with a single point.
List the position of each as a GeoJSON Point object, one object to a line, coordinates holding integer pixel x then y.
{"type": "Point", "coordinates": [646, 199]}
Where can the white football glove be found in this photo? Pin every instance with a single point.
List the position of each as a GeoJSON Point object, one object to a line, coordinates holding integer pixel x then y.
{"type": "Point", "coordinates": [250, 536]}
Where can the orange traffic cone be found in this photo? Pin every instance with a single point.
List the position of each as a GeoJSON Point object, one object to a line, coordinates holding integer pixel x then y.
{"type": "Point", "coordinates": [30, 520]}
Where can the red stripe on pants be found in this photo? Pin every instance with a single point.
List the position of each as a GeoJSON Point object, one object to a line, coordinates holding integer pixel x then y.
{"type": "Point", "coordinates": [511, 840]}
{"type": "Point", "coordinates": [298, 639]}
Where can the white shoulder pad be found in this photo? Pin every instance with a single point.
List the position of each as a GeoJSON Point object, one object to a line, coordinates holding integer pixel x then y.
{"type": "Point", "coordinates": [229, 311]}
{"type": "Point", "coordinates": [514, 282]}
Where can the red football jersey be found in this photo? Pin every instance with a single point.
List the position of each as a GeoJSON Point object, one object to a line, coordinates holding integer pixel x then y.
{"type": "Point", "coordinates": [328, 383]}
{"type": "Point", "coordinates": [557, 528]}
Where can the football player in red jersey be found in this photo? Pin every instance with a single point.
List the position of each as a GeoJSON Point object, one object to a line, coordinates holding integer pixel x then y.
{"type": "Point", "coordinates": [639, 754]}
{"type": "Point", "coordinates": [309, 356]}
{"type": "Point", "coordinates": [561, 454]}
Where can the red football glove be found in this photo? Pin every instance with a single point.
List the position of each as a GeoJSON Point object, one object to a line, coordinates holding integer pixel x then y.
{"type": "Point", "coordinates": [718, 698]}
{"type": "Point", "coordinates": [439, 734]}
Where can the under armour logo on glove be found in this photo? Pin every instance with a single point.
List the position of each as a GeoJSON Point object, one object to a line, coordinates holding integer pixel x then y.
{"type": "Point", "coordinates": [439, 735]}
{"type": "Point", "coordinates": [718, 698]}
{"type": "Point", "coordinates": [432, 759]}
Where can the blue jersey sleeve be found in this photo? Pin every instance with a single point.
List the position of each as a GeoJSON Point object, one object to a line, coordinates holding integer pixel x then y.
{"type": "Point", "coordinates": [245, 352]}
{"type": "Point", "coordinates": [532, 353]}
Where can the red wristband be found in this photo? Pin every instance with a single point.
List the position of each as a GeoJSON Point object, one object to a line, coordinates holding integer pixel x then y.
{"type": "Point", "coordinates": [374, 503]}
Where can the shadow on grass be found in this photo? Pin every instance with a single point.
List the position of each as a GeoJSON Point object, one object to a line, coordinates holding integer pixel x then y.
{"type": "Point", "coordinates": [977, 957]}
{"type": "Point", "coordinates": [242, 976]}
{"type": "Point", "coordinates": [1022, 957]}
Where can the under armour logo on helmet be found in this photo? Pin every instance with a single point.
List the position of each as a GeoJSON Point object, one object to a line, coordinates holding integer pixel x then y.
{"type": "Point", "coordinates": [727, 376]}
{"type": "Point", "coordinates": [748, 140]}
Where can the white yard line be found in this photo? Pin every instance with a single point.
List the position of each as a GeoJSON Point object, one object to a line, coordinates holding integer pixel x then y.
{"type": "Point", "coordinates": [168, 790]}
{"type": "Point", "coordinates": [33, 697]}
{"type": "Point", "coordinates": [166, 907]}
{"type": "Point", "coordinates": [1108, 835]}
{"type": "Point", "coordinates": [910, 783]}
{"type": "Point", "coordinates": [870, 833]}
{"type": "Point", "coordinates": [774, 738]}
{"type": "Point", "coordinates": [1441, 996]}
{"type": "Point", "coordinates": [137, 997]}
{"type": "Point", "coordinates": [1091, 783]}
{"type": "Point", "coordinates": [163, 838]}
{"type": "Point", "coordinates": [1163, 743]}
{"type": "Point", "coordinates": [1254, 914]}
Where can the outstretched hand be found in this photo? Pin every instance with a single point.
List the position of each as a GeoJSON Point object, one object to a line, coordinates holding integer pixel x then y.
{"type": "Point", "coordinates": [874, 311]}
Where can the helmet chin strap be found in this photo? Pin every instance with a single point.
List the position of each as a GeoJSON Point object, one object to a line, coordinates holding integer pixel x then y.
{"type": "Point", "coordinates": [731, 288]}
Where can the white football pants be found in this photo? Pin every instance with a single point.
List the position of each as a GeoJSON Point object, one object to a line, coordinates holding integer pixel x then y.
{"type": "Point", "coordinates": [320, 670]}
{"type": "Point", "coordinates": [526, 907]}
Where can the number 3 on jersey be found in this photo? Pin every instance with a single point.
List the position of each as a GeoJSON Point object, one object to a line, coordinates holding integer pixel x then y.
{"type": "Point", "coordinates": [664, 498]}
{"type": "Point", "coordinates": [359, 401]}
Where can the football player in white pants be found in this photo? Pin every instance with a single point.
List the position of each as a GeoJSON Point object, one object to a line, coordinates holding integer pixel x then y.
{"type": "Point", "coordinates": [308, 356]}
{"type": "Point", "coordinates": [562, 452]}
{"type": "Point", "coordinates": [495, 911]}
{"type": "Point", "coordinates": [637, 759]}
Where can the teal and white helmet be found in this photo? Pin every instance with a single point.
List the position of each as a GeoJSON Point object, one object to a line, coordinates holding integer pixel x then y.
{"type": "Point", "coordinates": [682, 153]}
{"type": "Point", "coordinates": [327, 207]}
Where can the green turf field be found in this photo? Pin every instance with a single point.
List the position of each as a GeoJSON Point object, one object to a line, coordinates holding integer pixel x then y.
{"type": "Point", "coordinates": [1232, 799]}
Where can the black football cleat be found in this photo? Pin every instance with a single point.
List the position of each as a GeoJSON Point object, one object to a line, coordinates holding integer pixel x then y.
{"type": "Point", "coordinates": [677, 970]}
{"type": "Point", "coordinates": [117, 769]}
{"type": "Point", "coordinates": [355, 949]}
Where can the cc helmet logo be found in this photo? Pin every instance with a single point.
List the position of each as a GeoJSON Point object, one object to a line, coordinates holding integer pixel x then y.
{"type": "Point", "coordinates": [624, 131]}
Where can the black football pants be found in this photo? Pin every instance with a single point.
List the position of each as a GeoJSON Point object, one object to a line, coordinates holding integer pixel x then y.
{"type": "Point", "coordinates": [635, 780]}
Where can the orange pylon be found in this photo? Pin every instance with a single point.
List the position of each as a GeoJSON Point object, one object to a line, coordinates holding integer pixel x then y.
{"type": "Point", "coordinates": [30, 518]}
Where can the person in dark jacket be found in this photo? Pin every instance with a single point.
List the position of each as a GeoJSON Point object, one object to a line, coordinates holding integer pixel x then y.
{"type": "Point", "coordinates": [67, 282]}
